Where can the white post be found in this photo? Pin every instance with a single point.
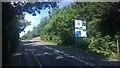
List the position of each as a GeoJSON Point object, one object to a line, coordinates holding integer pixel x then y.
{"type": "Point", "coordinates": [117, 45]}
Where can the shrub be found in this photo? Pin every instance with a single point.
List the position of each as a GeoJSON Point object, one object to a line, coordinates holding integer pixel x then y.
{"type": "Point", "coordinates": [103, 45]}
{"type": "Point", "coordinates": [81, 43]}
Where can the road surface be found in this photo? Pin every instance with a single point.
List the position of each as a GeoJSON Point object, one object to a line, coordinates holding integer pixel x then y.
{"type": "Point", "coordinates": [41, 54]}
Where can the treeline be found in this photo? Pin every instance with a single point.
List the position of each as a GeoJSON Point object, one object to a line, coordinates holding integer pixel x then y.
{"type": "Point", "coordinates": [103, 24]}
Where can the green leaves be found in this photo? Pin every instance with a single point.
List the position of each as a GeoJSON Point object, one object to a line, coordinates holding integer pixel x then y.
{"type": "Point", "coordinates": [103, 45]}
{"type": "Point", "coordinates": [101, 23]}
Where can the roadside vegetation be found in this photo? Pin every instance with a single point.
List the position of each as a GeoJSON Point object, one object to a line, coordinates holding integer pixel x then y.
{"type": "Point", "coordinates": [103, 24]}
{"type": "Point", "coordinates": [13, 23]}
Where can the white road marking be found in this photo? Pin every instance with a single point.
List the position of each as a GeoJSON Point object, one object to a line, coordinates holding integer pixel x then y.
{"type": "Point", "coordinates": [59, 57]}
{"type": "Point", "coordinates": [35, 58]}
{"type": "Point", "coordinates": [57, 51]}
{"type": "Point", "coordinates": [87, 63]}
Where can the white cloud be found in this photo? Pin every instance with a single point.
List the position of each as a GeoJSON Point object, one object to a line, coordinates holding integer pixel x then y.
{"type": "Point", "coordinates": [21, 34]}
{"type": "Point", "coordinates": [35, 20]}
{"type": "Point", "coordinates": [26, 29]}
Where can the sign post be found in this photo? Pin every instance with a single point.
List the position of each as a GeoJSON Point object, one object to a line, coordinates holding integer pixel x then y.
{"type": "Point", "coordinates": [80, 28]}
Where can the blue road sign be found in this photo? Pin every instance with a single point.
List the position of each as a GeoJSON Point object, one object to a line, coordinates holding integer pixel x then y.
{"type": "Point", "coordinates": [78, 33]}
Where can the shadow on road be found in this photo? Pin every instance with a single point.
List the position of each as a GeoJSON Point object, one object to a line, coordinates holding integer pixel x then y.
{"type": "Point", "coordinates": [56, 55]}
{"type": "Point", "coordinates": [61, 52]}
{"type": "Point", "coordinates": [22, 57]}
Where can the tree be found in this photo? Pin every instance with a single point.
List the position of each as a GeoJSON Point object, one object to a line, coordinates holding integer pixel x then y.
{"type": "Point", "coordinates": [102, 25]}
{"type": "Point", "coordinates": [14, 23]}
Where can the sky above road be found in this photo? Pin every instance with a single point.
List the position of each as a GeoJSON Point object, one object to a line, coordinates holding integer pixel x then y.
{"type": "Point", "coordinates": [35, 20]}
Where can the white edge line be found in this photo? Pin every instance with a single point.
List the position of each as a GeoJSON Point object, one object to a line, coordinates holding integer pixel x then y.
{"type": "Point", "coordinates": [35, 57]}
{"type": "Point", "coordinates": [74, 57]}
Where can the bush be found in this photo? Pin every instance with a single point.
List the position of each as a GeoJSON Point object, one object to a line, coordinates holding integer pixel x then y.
{"type": "Point", "coordinates": [56, 39]}
{"type": "Point", "coordinates": [103, 45]}
{"type": "Point", "coordinates": [81, 43]}
{"type": "Point", "coordinates": [67, 38]}
{"type": "Point", "coordinates": [115, 56]}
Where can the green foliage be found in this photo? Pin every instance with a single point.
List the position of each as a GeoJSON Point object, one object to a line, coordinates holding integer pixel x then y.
{"type": "Point", "coordinates": [94, 26]}
{"type": "Point", "coordinates": [115, 56]}
{"type": "Point", "coordinates": [102, 25]}
{"type": "Point", "coordinates": [67, 38]}
{"type": "Point", "coordinates": [82, 43]}
{"type": "Point", "coordinates": [13, 23]}
{"type": "Point", "coordinates": [103, 45]}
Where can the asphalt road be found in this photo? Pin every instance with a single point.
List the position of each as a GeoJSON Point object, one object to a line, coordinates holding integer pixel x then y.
{"type": "Point", "coordinates": [34, 53]}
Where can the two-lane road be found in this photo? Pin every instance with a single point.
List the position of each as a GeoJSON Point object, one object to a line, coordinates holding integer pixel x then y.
{"type": "Point", "coordinates": [47, 56]}
{"type": "Point", "coordinates": [42, 54]}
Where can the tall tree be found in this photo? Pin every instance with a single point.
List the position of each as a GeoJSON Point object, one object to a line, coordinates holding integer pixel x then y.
{"type": "Point", "coordinates": [12, 12]}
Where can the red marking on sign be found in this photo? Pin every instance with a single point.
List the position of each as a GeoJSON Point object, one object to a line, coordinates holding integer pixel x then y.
{"type": "Point", "coordinates": [78, 23]}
